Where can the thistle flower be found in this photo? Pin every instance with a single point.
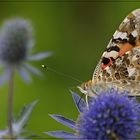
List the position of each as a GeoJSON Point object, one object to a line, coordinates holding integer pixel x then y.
{"type": "Point", "coordinates": [112, 115]}
{"type": "Point", "coordinates": [16, 42]}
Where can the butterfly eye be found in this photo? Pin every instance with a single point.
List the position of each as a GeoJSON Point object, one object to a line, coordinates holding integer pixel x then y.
{"type": "Point", "coordinates": [137, 56]}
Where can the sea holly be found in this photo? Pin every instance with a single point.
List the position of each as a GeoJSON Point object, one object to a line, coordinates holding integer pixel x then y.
{"type": "Point", "coordinates": [111, 115]}
{"type": "Point", "coordinates": [16, 43]}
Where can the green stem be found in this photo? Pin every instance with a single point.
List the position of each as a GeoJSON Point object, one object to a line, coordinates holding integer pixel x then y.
{"type": "Point", "coordinates": [10, 102]}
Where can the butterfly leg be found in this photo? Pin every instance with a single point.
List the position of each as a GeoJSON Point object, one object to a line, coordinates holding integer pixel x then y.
{"type": "Point", "coordinates": [87, 101]}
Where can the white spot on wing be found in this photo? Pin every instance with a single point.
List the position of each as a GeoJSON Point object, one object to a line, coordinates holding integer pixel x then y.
{"type": "Point", "coordinates": [134, 33]}
{"type": "Point", "coordinates": [113, 54]}
{"type": "Point", "coordinates": [117, 34]}
{"type": "Point", "coordinates": [134, 58]}
{"type": "Point", "coordinates": [121, 35]}
{"type": "Point", "coordinates": [131, 71]}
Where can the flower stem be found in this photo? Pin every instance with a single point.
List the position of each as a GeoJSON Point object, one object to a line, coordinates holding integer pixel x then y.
{"type": "Point", "coordinates": [10, 102]}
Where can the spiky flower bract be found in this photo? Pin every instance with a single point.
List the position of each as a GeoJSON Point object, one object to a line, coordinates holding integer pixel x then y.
{"type": "Point", "coordinates": [19, 124]}
{"type": "Point", "coordinates": [16, 42]}
{"type": "Point", "coordinates": [111, 115]}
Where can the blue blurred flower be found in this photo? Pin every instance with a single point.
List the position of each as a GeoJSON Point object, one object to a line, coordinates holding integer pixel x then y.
{"type": "Point", "coordinates": [111, 115]}
{"type": "Point", "coordinates": [16, 42]}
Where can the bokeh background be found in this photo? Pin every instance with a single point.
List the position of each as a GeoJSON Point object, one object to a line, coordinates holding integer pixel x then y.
{"type": "Point", "coordinates": [77, 33]}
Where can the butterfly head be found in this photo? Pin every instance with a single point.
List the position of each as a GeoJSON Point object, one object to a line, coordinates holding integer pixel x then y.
{"type": "Point", "coordinates": [85, 87]}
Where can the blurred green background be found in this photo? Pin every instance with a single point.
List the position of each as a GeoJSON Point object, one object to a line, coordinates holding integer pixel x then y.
{"type": "Point", "coordinates": [77, 33]}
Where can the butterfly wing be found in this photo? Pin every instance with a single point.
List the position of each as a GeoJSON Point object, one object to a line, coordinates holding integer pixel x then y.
{"type": "Point", "coordinates": [120, 63]}
{"type": "Point", "coordinates": [124, 73]}
{"type": "Point", "coordinates": [124, 39]}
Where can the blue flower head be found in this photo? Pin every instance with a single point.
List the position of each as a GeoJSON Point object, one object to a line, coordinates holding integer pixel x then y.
{"type": "Point", "coordinates": [111, 115]}
{"type": "Point", "coordinates": [16, 42]}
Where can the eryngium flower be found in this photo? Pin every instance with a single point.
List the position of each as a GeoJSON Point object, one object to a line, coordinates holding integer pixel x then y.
{"type": "Point", "coordinates": [16, 42]}
{"type": "Point", "coordinates": [15, 39]}
{"type": "Point", "coordinates": [112, 115]}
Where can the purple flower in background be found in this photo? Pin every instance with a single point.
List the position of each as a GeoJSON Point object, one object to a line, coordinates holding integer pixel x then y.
{"type": "Point", "coordinates": [112, 115]}
{"type": "Point", "coordinates": [16, 42]}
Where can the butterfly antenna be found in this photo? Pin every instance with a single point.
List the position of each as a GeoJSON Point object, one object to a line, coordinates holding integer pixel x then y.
{"type": "Point", "coordinates": [65, 75]}
{"type": "Point", "coordinates": [60, 73]}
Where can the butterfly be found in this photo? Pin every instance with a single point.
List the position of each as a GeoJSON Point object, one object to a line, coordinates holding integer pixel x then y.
{"type": "Point", "coordinates": [119, 66]}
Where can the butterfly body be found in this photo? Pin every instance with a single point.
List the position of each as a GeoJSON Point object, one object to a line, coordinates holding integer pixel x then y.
{"type": "Point", "coordinates": [119, 65]}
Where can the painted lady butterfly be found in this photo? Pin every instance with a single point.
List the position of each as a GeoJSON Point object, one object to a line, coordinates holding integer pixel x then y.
{"type": "Point", "coordinates": [119, 65]}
